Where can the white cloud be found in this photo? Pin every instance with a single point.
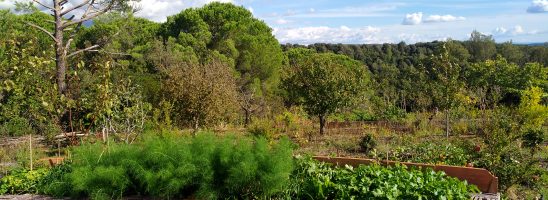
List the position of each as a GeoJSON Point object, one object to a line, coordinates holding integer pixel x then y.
{"type": "Point", "coordinates": [412, 19]}
{"type": "Point", "coordinates": [417, 18]}
{"type": "Point", "coordinates": [538, 6]}
{"type": "Point", "coordinates": [516, 30]}
{"type": "Point", "coordinates": [10, 4]}
{"type": "Point", "coordinates": [343, 34]}
{"type": "Point", "coordinates": [500, 31]}
{"type": "Point", "coordinates": [359, 35]}
{"type": "Point", "coordinates": [251, 10]}
{"type": "Point", "coordinates": [372, 10]}
{"type": "Point", "coordinates": [282, 21]}
{"type": "Point", "coordinates": [155, 10]}
{"type": "Point", "coordinates": [7, 4]}
{"type": "Point", "coordinates": [443, 18]}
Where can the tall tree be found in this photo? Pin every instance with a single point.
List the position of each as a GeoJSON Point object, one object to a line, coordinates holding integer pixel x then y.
{"type": "Point", "coordinates": [511, 52]}
{"type": "Point", "coordinates": [67, 24]}
{"type": "Point", "coordinates": [481, 47]}
{"type": "Point", "coordinates": [248, 42]}
{"type": "Point", "coordinates": [325, 82]}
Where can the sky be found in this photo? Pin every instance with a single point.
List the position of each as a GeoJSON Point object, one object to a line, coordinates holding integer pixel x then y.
{"type": "Point", "coordinates": [379, 21]}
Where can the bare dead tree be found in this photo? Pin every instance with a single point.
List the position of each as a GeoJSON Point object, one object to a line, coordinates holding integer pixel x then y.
{"type": "Point", "coordinates": [249, 104]}
{"type": "Point", "coordinates": [91, 9]}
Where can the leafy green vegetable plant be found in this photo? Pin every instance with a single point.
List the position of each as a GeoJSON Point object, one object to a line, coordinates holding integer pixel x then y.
{"type": "Point", "coordinates": [317, 180]}
{"type": "Point", "coordinates": [22, 181]}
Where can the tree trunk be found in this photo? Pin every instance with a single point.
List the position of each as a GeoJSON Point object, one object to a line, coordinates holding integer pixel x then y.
{"type": "Point", "coordinates": [447, 122]}
{"type": "Point", "coordinates": [247, 117]}
{"type": "Point", "coordinates": [60, 61]}
{"type": "Point", "coordinates": [196, 124]}
{"type": "Point", "coordinates": [322, 124]}
{"type": "Point", "coordinates": [60, 54]}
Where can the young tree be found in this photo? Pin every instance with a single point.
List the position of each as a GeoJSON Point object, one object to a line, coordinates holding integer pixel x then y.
{"type": "Point", "coordinates": [481, 47]}
{"type": "Point", "coordinates": [202, 93]}
{"type": "Point", "coordinates": [447, 86]}
{"type": "Point", "coordinates": [206, 93]}
{"type": "Point", "coordinates": [67, 24]}
{"type": "Point", "coordinates": [324, 83]}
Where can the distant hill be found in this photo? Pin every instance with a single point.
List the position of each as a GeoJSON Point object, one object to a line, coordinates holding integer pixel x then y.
{"type": "Point", "coordinates": [534, 44]}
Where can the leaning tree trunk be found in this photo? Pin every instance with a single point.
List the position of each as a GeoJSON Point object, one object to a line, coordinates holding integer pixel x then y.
{"type": "Point", "coordinates": [322, 124]}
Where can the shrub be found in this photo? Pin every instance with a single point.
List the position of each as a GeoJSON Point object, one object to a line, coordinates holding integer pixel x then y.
{"type": "Point", "coordinates": [315, 180]}
{"type": "Point", "coordinates": [21, 181]}
{"type": "Point", "coordinates": [16, 126]}
{"type": "Point", "coordinates": [353, 115]}
{"type": "Point", "coordinates": [206, 166]}
{"type": "Point", "coordinates": [367, 143]}
{"type": "Point", "coordinates": [54, 182]}
{"type": "Point", "coordinates": [430, 152]}
{"type": "Point", "coordinates": [263, 128]}
{"type": "Point", "coordinates": [533, 138]}
{"type": "Point", "coordinates": [392, 113]}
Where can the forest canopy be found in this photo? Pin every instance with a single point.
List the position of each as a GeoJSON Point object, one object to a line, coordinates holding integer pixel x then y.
{"type": "Point", "coordinates": [134, 74]}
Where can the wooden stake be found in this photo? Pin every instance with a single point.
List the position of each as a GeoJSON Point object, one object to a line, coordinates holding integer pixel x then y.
{"type": "Point", "coordinates": [30, 150]}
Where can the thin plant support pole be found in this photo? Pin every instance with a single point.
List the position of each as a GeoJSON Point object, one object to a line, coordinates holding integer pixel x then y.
{"type": "Point", "coordinates": [30, 150]}
{"type": "Point", "coordinates": [447, 123]}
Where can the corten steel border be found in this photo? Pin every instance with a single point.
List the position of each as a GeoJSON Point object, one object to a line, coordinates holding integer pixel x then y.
{"type": "Point", "coordinates": [485, 180]}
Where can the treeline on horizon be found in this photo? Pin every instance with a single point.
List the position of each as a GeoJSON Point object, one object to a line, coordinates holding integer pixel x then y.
{"type": "Point", "coordinates": [395, 66]}
{"type": "Point", "coordinates": [218, 65]}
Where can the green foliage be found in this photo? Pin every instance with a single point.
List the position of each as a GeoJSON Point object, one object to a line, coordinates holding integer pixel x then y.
{"type": "Point", "coordinates": [392, 112]}
{"type": "Point", "coordinates": [445, 75]}
{"type": "Point", "coordinates": [22, 181]}
{"type": "Point", "coordinates": [533, 113]}
{"type": "Point", "coordinates": [367, 143]}
{"type": "Point", "coordinates": [317, 180]}
{"type": "Point", "coordinates": [354, 115]}
{"type": "Point", "coordinates": [429, 152]}
{"type": "Point", "coordinates": [324, 83]}
{"type": "Point", "coordinates": [109, 101]}
{"type": "Point", "coordinates": [205, 165]}
{"type": "Point", "coordinates": [480, 46]}
{"type": "Point", "coordinates": [202, 94]}
{"type": "Point", "coordinates": [16, 126]}
{"type": "Point", "coordinates": [28, 100]}
{"type": "Point", "coordinates": [503, 153]}
{"type": "Point", "coordinates": [54, 182]}
{"type": "Point", "coordinates": [263, 128]}
{"type": "Point", "coordinates": [533, 138]}
{"type": "Point", "coordinates": [246, 41]}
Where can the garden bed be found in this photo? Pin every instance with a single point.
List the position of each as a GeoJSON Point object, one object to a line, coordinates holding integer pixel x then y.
{"type": "Point", "coordinates": [482, 178]}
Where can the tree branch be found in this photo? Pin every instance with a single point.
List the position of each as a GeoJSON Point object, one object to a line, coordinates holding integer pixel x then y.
{"type": "Point", "coordinates": [85, 18]}
{"type": "Point", "coordinates": [112, 53]}
{"type": "Point", "coordinates": [67, 46]}
{"type": "Point", "coordinates": [42, 29]}
{"type": "Point", "coordinates": [75, 7]}
{"type": "Point", "coordinates": [82, 50]}
{"type": "Point", "coordinates": [38, 2]}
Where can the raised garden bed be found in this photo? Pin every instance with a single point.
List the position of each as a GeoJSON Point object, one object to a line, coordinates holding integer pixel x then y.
{"type": "Point", "coordinates": [482, 178]}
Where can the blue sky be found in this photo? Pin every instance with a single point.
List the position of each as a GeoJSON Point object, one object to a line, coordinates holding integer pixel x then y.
{"type": "Point", "coordinates": [380, 21]}
{"type": "Point", "coordinates": [355, 21]}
